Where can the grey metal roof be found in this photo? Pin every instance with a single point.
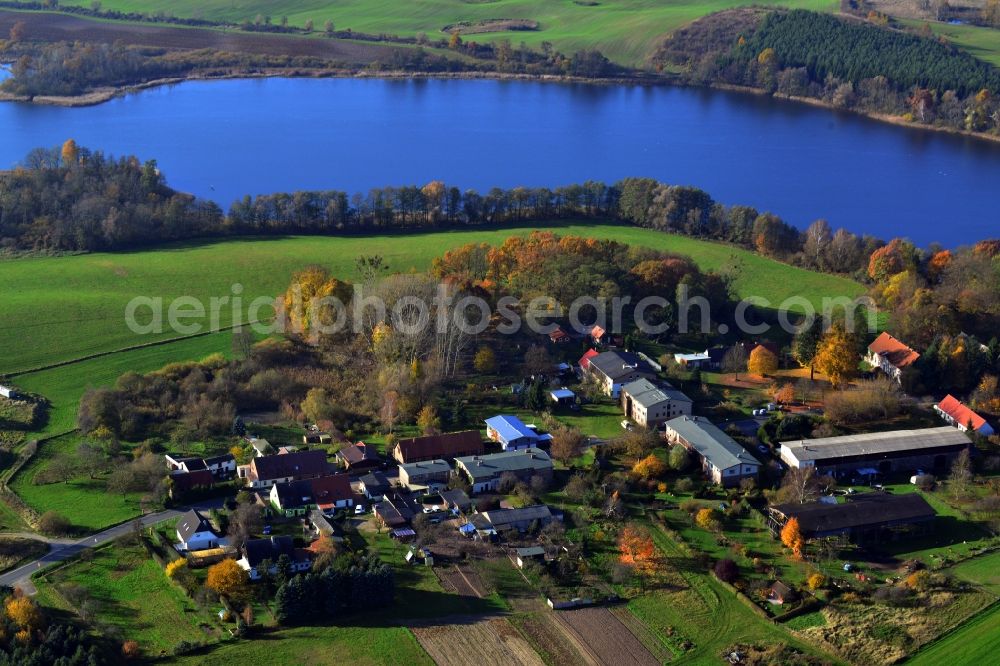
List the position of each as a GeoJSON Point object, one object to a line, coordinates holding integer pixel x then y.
{"type": "Point", "coordinates": [648, 394]}
{"type": "Point", "coordinates": [710, 442]}
{"type": "Point", "coordinates": [502, 517]}
{"type": "Point", "coordinates": [875, 443]}
{"type": "Point", "coordinates": [191, 523]}
{"type": "Point", "coordinates": [426, 467]}
{"type": "Point", "coordinates": [615, 364]}
{"type": "Point", "coordinates": [495, 464]}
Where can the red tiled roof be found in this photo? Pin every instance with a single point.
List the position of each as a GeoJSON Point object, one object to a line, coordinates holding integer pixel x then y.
{"type": "Point", "coordinates": [183, 481]}
{"type": "Point", "coordinates": [962, 414]}
{"type": "Point", "coordinates": [558, 334]}
{"type": "Point", "coordinates": [897, 353]}
{"type": "Point", "coordinates": [597, 332]}
{"type": "Point", "coordinates": [330, 489]}
{"type": "Point", "coordinates": [585, 359]}
{"type": "Point", "coordinates": [450, 445]}
{"type": "Point", "coordinates": [295, 465]}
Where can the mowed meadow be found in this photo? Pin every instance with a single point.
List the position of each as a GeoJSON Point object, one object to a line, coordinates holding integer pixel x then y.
{"type": "Point", "coordinates": [626, 31]}
{"type": "Point", "coordinates": [58, 309]}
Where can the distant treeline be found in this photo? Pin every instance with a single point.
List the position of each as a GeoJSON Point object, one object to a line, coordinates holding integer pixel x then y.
{"type": "Point", "coordinates": [78, 67]}
{"type": "Point", "coordinates": [76, 200]}
{"type": "Point", "coordinates": [848, 63]}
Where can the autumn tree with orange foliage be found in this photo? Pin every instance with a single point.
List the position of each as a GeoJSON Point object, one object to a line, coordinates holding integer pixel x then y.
{"type": "Point", "coordinates": [792, 537]}
{"type": "Point", "coordinates": [785, 395]}
{"type": "Point", "coordinates": [762, 362]}
{"type": "Point", "coordinates": [227, 578]}
{"type": "Point", "coordinates": [639, 552]}
{"type": "Point", "coordinates": [898, 256]}
{"type": "Point", "coordinates": [938, 263]}
{"type": "Point", "coordinates": [650, 467]}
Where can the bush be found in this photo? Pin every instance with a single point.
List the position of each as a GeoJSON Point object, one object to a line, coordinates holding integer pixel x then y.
{"type": "Point", "coordinates": [54, 523]}
{"type": "Point", "coordinates": [131, 650]}
{"type": "Point", "coordinates": [173, 567]}
{"type": "Point", "coordinates": [816, 581]}
{"type": "Point", "coordinates": [726, 570]}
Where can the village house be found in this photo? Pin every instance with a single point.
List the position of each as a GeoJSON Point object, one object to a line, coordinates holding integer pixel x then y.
{"type": "Point", "coordinates": [562, 396]}
{"type": "Point", "coordinates": [584, 361]}
{"type": "Point", "coordinates": [877, 453]}
{"type": "Point", "coordinates": [650, 405]}
{"type": "Point", "coordinates": [8, 392]}
{"type": "Point", "coordinates": [700, 360]}
{"type": "Point", "coordinates": [612, 369]}
{"type": "Point", "coordinates": [531, 553]}
{"type": "Point", "coordinates": [182, 482]}
{"type": "Point", "coordinates": [456, 500]}
{"type": "Point", "coordinates": [431, 447]}
{"type": "Point", "coordinates": [865, 518]}
{"type": "Point", "coordinates": [429, 474]}
{"type": "Point", "coordinates": [291, 498]}
{"type": "Point", "coordinates": [485, 472]}
{"type": "Point", "coordinates": [558, 336]}
{"type": "Point", "coordinates": [396, 509]}
{"type": "Point", "coordinates": [512, 434]}
{"type": "Point", "coordinates": [332, 492]}
{"type": "Point", "coordinates": [780, 593]}
{"type": "Point", "coordinates": [195, 532]}
{"type": "Point", "coordinates": [374, 485]}
{"type": "Point", "coordinates": [957, 414]}
{"type": "Point", "coordinates": [358, 458]}
{"type": "Point", "coordinates": [522, 519]}
{"type": "Point", "coordinates": [221, 467]}
{"type": "Point", "coordinates": [598, 336]}
{"type": "Point", "coordinates": [265, 471]}
{"type": "Point", "coordinates": [261, 447]}
{"type": "Point", "coordinates": [257, 551]}
{"type": "Point", "coordinates": [720, 456]}
{"type": "Point", "coordinates": [890, 355]}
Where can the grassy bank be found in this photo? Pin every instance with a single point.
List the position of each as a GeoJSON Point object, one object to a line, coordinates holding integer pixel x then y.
{"type": "Point", "coordinates": [626, 31]}
{"type": "Point", "coordinates": [61, 308]}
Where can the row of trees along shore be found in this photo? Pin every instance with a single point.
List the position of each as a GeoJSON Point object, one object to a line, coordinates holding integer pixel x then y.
{"type": "Point", "coordinates": [70, 199]}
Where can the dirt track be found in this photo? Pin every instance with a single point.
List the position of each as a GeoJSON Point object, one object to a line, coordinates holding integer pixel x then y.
{"type": "Point", "coordinates": [54, 27]}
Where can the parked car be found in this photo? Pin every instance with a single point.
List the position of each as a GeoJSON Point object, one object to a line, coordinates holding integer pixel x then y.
{"type": "Point", "coordinates": [627, 425]}
{"type": "Point", "coordinates": [359, 509]}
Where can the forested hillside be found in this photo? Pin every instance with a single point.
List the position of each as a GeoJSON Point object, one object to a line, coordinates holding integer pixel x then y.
{"type": "Point", "coordinates": [855, 50]}
{"type": "Point", "coordinates": [845, 62]}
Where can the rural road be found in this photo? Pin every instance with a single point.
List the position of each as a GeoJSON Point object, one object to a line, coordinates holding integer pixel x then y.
{"type": "Point", "coordinates": [62, 549]}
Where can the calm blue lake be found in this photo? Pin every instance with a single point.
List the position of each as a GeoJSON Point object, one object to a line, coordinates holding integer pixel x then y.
{"type": "Point", "coordinates": [224, 139]}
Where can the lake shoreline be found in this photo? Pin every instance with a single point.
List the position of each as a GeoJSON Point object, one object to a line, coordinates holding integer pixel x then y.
{"type": "Point", "coordinates": [106, 94]}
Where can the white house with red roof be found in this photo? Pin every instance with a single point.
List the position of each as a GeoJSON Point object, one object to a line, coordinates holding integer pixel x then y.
{"type": "Point", "coordinates": [890, 355]}
{"type": "Point", "coordinates": [955, 412]}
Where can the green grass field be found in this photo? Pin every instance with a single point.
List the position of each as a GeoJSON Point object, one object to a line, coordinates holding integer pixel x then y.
{"type": "Point", "coordinates": [982, 42]}
{"type": "Point", "coordinates": [976, 642]}
{"type": "Point", "coordinates": [626, 31]}
{"type": "Point", "coordinates": [362, 645]}
{"type": "Point", "coordinates": [132, 593]}
{"type": "Point", "coordinates": [84, 501]}
{"type": "Point", "coordinates": [704, 613]}
{"type": "Point", "coordinates": [984, 571]}
{"type": "Point", "coordinates": [62, 308]}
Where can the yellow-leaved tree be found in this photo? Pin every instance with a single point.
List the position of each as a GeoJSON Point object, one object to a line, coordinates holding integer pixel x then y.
{"type": "Point", "coordinates": [227, 578]}
{"type": "Point", "coordinates": [837, 355]}
{"type": "Point", "coordinates": [650, 467]}
{"type": "Point", "coordinates": [70, 153]}
{"type": "Point", "coordinates": [762, 362]}
{"type": "Point", "coordinates": [310, 302]}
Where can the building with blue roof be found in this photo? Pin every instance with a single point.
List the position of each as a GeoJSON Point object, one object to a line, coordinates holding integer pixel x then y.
{"type": "Point", "coordinates": [512, 434]}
